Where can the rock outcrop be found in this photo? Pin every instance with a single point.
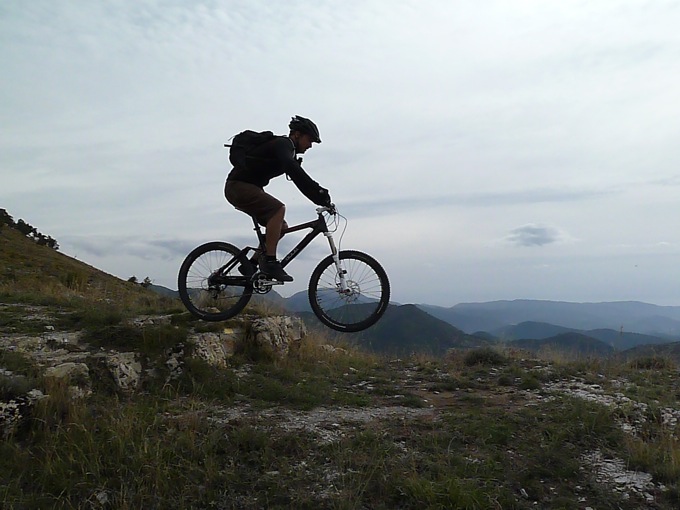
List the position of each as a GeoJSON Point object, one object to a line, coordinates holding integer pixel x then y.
{"type": "Point", "coordinates": [278, 335]}
{"type": "Point", "coordinates": [65, 360]}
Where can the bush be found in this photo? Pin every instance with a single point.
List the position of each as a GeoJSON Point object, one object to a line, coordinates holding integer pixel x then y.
{"type": "Point", "coordinates": [652, 363]}
{"type": "Point", "coordinates": [484, 356]}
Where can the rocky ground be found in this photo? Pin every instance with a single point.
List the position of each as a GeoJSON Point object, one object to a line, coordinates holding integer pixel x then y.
{"type": "Point", "coordinates": [406, 394]}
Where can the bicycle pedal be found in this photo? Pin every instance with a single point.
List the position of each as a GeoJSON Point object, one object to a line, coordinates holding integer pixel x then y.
{"type": "Point", "coordinates": [274, 282]}
{"type": "Point", "coordinates": [266, 279]}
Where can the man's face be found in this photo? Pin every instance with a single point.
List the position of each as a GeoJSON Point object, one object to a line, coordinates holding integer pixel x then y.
{"type": "Point", "coordinates": [304, 143]}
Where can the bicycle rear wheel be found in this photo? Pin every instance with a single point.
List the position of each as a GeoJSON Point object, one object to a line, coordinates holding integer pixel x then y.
{"type": "Point", "coordinates": [209, 283]}
{"type": "Point", "coordinates": [366, 298]}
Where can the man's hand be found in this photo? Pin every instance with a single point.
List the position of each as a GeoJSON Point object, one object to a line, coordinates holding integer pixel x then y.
{"type": "Point", "coordinates": [324, 197]}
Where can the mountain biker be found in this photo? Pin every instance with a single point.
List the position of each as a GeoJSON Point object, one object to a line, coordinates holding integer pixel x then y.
{"type": "Point", "coordinates": [245, 185]}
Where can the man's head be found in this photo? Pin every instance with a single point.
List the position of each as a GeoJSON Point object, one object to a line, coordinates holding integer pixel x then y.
{"type": "Point", "coordinates": [303, 132]}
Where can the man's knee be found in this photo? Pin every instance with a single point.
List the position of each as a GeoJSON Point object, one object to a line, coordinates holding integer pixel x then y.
{"type": "Point", "coordinates": [278, 215]}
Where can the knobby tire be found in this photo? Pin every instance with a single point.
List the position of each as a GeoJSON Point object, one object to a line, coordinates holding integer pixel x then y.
{"type": "Point", "coordinates": [365, 303]}
{"type": "Point", "coordinates": [207, 296]}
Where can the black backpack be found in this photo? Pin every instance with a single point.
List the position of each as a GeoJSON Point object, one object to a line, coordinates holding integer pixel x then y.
{"type": "Point", "coordinates": [243, 144]}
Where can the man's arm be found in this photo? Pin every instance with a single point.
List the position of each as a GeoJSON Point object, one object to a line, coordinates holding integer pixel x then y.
{"type": "Point", "coordinates": [291, 166]}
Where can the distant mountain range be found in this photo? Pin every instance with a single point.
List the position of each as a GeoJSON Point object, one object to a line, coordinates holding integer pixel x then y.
{"type": "Point", "coordinates": [627, 316]}
{"type": "Point", "coordinates": [594, 329]}
{"type": "Point", "coordinates": [618, 340]}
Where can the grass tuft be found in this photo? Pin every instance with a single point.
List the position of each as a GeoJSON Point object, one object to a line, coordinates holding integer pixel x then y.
{"type": "Point", "coordinates": [484, 356]}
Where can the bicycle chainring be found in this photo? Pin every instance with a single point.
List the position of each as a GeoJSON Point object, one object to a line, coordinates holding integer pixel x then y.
{"type": "Point", "coordinates": [262, 284]}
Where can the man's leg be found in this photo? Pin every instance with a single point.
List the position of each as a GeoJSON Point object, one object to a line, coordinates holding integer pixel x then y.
{"type": "Point", "coordinates": [273, 231]}
{"type": "Point", "coordinates": [270, 265]}
{"type": "Point", "coordinates": [254, 201]}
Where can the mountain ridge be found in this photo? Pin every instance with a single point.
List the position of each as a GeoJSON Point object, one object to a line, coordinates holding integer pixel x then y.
{"type": "Point", "coordinates": [631, 316]}
{"type": "Point", "coordinates": [516, 320]}
{"type": "Point", "coordinates": [405, 329]}
{"type": "Point", "coordinates": [619, 340]}
{"type": "Point", "coordinates": [573, 343]}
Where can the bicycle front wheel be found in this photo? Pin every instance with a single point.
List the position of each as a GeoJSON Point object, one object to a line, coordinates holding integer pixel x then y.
{"type": "Point", "coordinates": [363, 302]}
{"type": "Point", "coordinates": [209, 283]}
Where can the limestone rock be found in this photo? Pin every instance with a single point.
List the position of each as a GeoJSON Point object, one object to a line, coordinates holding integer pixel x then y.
{"type": "Point", "coordinates": [75, 374]}
{"type": "Point", "coordinates": [151, 320]}
{"type": "Point", "coordinates": [13, 412]}
{"type": "Point", "coordinates": [124, 369]}
{"type": "Point", "coordinates": [279, 334]}
{"type": "Point", "coordinates": [216, 348]}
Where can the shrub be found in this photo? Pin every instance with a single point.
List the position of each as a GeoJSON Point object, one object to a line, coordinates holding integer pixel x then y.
{"type": "Point", "coordinates": [652, 363]}
{"type": "Point", "coordinates": [484, 356]}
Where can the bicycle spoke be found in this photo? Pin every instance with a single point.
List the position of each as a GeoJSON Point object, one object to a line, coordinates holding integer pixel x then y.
{"type": "Point", "coordinates": [361, 303]}
{"type": "Point", "coordinates": [203, 294]}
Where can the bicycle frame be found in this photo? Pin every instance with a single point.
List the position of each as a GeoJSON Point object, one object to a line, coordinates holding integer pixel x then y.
{"type": "Point", "coordinates": [317, 226]}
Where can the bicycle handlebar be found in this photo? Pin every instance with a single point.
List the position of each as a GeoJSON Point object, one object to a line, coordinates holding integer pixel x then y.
{"type": "Point", "coordinates": [330, 209]}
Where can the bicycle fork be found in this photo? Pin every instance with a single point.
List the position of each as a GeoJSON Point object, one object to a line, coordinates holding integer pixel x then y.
{"type": "Point", "coordinates": [344, 289]}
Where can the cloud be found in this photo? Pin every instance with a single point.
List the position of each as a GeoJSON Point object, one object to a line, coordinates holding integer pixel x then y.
{"type": "Point", "coordinates": [134, 246]}
{"type": "Point", "coordinates": [492, 199]}
{"type": "Point", "coordinates": [534, 235]}
{"type": "Point", "coordinates": [114, 119]}
{"type": "Point", "coordinates": [672, 180]}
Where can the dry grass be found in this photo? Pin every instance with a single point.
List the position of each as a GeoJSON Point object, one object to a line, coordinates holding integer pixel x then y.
{"type": "Point", "coordinates": [476, 447]}
{"type": "Point", "coordinates": [39, 275]}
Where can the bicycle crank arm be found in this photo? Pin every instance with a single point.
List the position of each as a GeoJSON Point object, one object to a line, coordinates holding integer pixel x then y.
{"type": "Point", "coordinates": [229, 280]}
{"type": "Point", "coordinates": [263, 284]}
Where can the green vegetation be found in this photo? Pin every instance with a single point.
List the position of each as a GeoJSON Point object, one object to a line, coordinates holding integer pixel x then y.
{"type": "Point", "coordinates": [27, 230]}
{"type": "Point", "coordinates": [243, 437]}
{"type": "Point", "coordinates": [36, 275]}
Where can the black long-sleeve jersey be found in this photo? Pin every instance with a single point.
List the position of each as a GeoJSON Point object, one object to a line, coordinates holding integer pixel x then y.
{"type": "Point", "coordinates": [274, 158]}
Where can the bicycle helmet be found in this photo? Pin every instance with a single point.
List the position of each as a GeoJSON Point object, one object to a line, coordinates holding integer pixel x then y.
{"type": "Point", "coordinates": [306, 126]}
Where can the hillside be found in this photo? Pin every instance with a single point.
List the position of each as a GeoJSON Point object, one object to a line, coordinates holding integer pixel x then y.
{"type": "Point", "coordinates": [467, 320]}
{"type": "Point", "coordinates": [36, 273]}
{"type": "Point", "coordinates": [669, 351]}
{"type": "Point", "coordinates": [112, 397]}
{"type": "Point", "coordinates": [403, 329]}
{"type": "Point", "coordinates": [570, 344]}
{"type": "Point", "coordinates": [619, 340]}
{"type": "Point", "coordinates": [529, 330]}
{"type": "Point", "coordinates": [407, 329]}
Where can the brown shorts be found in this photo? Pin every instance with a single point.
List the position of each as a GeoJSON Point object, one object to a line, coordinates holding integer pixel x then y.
{"type": "Point", "coordinates": [252, 200]}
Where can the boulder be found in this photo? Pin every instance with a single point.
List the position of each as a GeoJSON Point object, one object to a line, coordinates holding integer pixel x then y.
{"type": "Point", "coordinates": [126, 370]}
{"type": "Point", "coordinates": [16, 410]}
{"type": "Point", "coordinates": [216, 348]}
{"type": "Point", "coordinates": [121, 368]}
{"type": "Point", "coordinates": [278, 335]}
{"type": "Point", "coordinates": [74, 374]}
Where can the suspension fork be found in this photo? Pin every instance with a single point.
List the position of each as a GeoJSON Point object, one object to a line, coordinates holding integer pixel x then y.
{"type": "Point", "coordinates": [336, 259]}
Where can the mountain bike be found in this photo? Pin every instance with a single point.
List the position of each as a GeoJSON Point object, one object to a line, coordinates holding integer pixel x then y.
{"type": "Point", "coordinates": [348, 290]}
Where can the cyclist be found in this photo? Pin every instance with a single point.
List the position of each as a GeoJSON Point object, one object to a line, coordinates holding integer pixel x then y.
{"type": "Point", "coordinates": [245, 185]}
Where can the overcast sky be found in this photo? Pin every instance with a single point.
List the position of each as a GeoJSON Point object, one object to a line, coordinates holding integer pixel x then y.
{"type": "Point", "coordinates": [480, 150]}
